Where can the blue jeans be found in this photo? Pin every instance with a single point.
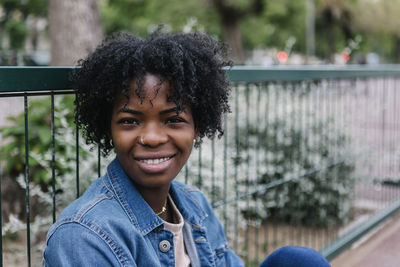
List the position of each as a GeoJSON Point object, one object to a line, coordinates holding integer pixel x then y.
{"type": "Point", "coordinates": [292, 256]}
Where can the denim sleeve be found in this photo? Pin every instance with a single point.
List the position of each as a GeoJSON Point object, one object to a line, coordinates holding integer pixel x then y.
{"type": "Point", "coordinates": [73, 244]}
{"type": "Point", "coordinates": [232, 259]}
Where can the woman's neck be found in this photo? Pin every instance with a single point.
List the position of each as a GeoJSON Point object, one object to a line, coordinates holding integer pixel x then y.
{"type": "Point", "coordinates": [155, 197]}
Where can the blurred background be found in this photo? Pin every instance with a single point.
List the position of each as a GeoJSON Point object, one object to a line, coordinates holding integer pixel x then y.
{"type": "Point", "coordinates": [259, 32]}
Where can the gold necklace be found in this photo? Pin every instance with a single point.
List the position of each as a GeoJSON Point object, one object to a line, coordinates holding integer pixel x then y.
{"type": "Point", "coordinates": [164, 209]}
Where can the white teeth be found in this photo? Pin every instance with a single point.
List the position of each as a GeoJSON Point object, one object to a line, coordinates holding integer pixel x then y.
{"type": "Point", "coordinates": [155, 161]}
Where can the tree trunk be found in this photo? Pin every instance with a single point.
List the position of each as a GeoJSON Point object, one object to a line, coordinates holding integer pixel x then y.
{"type": "Point", "coordinates": [397, 49]}
{"type": "Point", "coordinates": [75, 30]}
{"type": "Point", "coordinates": [230, 16]}
{"type": "Point", "coordinates": [233, 37]}
{"type": "Point", "coordinates": [331, 39]}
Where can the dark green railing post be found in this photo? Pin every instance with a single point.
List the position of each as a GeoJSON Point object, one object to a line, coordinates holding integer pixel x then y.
{"type": "Point", "coordinates": [213, 171]}
{"type": "Point", "coordinates": [27, 196]}
{"type": "Point", "coordinates": [225, 175]}
{"type": "Point", "coordinates": [99, 161]}
{"type": "Point", "coordinates": [1, 219]}
{"type": "Point", "coordinates": [77, 149]}
{"type": "Point", "coordinates": [236, 219]}
{"type": "Point", "coordinates": [53, 158]}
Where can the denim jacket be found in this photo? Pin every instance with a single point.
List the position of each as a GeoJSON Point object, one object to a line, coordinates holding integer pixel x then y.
{"type": "Point", "coordinates": [112, 225]}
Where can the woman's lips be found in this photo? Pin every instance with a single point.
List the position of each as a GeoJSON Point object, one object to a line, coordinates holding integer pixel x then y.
{"type": "Point", "coordinates": [155, 165]}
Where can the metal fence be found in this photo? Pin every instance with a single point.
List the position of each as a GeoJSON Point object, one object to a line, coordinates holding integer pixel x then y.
{"type": "Point", "coordinates": [309, 157]}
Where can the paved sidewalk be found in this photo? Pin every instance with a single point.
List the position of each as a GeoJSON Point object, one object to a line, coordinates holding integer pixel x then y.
{"type": "Point", "coordinates": [380, 248]}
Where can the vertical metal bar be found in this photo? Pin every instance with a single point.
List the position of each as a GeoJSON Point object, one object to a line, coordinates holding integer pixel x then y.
{"type": "Point", "coordinates": [99, 161]}
{"type": "Point", "coordinates": [305, 131]}
{"type": "Point", "coordinates": [325, 141]}
{"type": "Point", "coordinates": [291, 125]}
{"type": "Point", "coordinates": [267, 112]}
{"type": "Point", "coordinates": [395, 131]}
{"type": "Point", "coordinates": [257, 238]}
{"type": "Point", "coordinates": [332, 139]}
{"type": "Point", "coordinates": [199, 179]}
{"type": "Point", "coordinates": [276, 123]}
{"type": "Point", "coordinates": [284, 105]}
{"type": "Point", "coordinates": [53, 158]}
{"type": "Point", "coordinates": [391, 133]}
{"type": "Point", "coordinates": [390, 136]}
{"type": "Point", "coordinates": [301, 148]}
{"type": "Point", "coordinates": [186, 173]}
{"type": "Point", "coordinates": [382, 137]}
{"type": "Point", "coordinates": [375, 91]}
{"type": "Point", "coordinates": [309, 125]}
{"type": "Point", "coordinates": [27, 196]}
{"type": "Point", "coordinates": [332, 87]}
{"type": "Point", "coordinates": [384, 140]}
{"type": "Point", "coordinates": [77, 150]}
{"type": "Point", "coordinates": [311, 145]}
{"type": "Point", "coordinates": [213, 171]}
{"type": "Point", "coordinates": [397, 127]}
{"type": "Point", "coordinates": [236, 243]}
{"type": "Point", "coordinates": [225, 190]}
{"type": "Point", "coordinates": [358, 126]}
{"type": "Point", "coordinates": [316, 132]}
{"type": "Point", "coordinates": [247, 171]}
{"type": "Point", "coordinates": [1, 220]}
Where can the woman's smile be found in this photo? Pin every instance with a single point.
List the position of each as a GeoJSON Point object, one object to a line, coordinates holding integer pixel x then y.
{"type": "Point", "coordinates": [155, 165]}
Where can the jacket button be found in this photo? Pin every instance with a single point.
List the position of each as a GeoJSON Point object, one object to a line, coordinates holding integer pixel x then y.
{"type": "Point", "coordinates": [164, 246]}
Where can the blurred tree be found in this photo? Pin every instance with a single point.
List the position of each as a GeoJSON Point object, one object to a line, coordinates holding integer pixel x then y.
{"type": "Point", "coordinates": [334, 25]}
{"type": "Point", "coordinates": [17, 32]}
{"type": "Point", "coordinates": [244, 25]}
{"type": "Point", "coordinates": [14, 15]}
{"type": "Point", "coordinates": [75, 30]}
{"type": "Point", "coordinates": [379, 22]}
{"type": "Point", "coordinates": [279, 22]}
{"type": "Point", "coordinates": [142, 17]}
{"type": "Point", "coordinates": [230, 16]}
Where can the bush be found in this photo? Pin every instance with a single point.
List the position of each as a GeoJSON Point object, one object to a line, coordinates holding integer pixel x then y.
{"type": "Point", "coordinates": [317, 160]}
{"type": "Point", "coordinates": [40, 156]}
{"type": "Point", "coordinates": [39, 140]}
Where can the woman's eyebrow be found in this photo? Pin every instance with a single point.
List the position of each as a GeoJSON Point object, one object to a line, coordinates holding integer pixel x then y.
{"type": "Point", "coordinates": [131, 111]}
{"type": "Point", "coordinates": [170, 110]}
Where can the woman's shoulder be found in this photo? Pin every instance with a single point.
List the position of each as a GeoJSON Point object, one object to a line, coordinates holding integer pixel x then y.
{"type": "Point", "coordinates": [193, 197]}
{"type": "Point", "coordinates": [190, 191]}
{"type": "Point", "coordinates": [95, 206]}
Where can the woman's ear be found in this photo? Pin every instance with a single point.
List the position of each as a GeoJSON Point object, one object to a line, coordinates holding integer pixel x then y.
{"type": "Point", "coordinates": [196, 141]}
{"type": "Point", "coordinates": [109, 137]}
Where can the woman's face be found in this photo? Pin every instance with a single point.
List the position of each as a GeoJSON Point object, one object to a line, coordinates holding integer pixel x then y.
{"type": "Point", "coordinates": [152, 141]}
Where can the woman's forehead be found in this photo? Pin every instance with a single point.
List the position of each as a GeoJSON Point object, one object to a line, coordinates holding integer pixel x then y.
{"type": "Point", "coordinates": [150, 89]}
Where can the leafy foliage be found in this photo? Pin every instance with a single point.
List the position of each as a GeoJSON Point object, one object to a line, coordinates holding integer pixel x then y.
{"type": "Point", "coordinates": [17, 33]}
{"type": "Point", "coordinates": [314, 159]}
{"type": "Point", "coordinates": [40, 141]}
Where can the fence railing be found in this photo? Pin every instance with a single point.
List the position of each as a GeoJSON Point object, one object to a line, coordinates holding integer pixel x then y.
{"type": "Point", "coordinates": [309, 157]}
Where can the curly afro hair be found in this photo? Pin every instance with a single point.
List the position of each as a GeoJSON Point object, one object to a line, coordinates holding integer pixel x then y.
{"type": "Point", "coordinates": [192, 63]}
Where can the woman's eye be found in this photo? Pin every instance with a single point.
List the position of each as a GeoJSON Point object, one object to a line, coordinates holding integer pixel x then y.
{"type": "Point", "coordinates": [127, 121]}
{"type": "Point", "coordinates": [175, 120]}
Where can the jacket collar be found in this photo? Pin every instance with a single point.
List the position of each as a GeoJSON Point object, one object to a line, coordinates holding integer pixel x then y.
{"type": "Point", "coordinates": [137, 209]}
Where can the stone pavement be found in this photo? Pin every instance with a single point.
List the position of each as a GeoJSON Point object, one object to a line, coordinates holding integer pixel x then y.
{"type": "Point", "coordinates": [379, 248]}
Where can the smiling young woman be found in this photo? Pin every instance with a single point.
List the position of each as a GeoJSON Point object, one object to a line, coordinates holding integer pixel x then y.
{"type": "Point", "coordinates": [149, 101]}
{"type": "Point", "coordinates": [145, 101]}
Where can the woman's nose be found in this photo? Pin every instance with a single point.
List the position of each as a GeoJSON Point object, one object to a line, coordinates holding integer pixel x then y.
{"type": "Point", "coordinates": [153, 135]}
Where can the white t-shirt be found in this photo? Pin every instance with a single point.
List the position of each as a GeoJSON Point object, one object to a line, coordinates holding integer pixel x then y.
{"type": "Point", "coordinates": [181, 257]}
